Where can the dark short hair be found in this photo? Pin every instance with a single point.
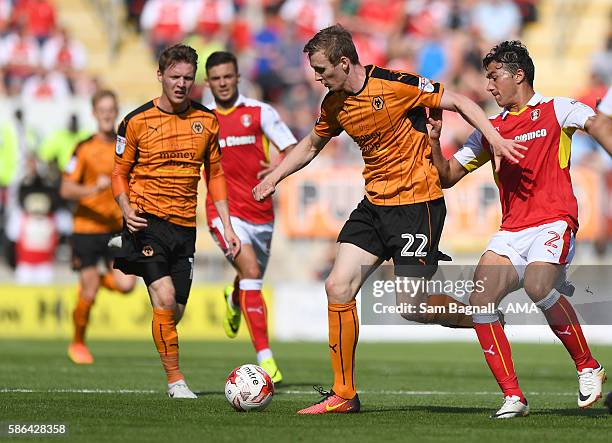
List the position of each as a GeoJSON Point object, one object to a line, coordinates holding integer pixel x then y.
{"type": "Point", "coordinates": [335, 42]}
{"type": "Point", "coordinates": [102, 93]}
{"type": "Point", "coordinates": [513, 55]}
{"type": "Point", "coordinates": [220, 58]}
{"type": "Point", "coordinates": [178, 53]}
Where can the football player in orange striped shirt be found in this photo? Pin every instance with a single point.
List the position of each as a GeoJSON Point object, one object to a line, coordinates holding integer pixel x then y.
{"type": "Point", "coordinates": [97, 218]}
{"type": "Point", "coordinates": [403, 212]}
{"type": "Point", "coordinates": [160, 150]}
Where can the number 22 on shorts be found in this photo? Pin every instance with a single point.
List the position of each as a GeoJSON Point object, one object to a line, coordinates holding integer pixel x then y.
{"type": "Point", "coordinates": [419, 250]}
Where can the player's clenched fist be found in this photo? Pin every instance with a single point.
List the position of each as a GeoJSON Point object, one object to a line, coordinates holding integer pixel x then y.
{"type": "Point", "coordinates": [263, 190]}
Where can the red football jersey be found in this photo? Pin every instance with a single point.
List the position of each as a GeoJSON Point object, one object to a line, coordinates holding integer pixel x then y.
{"type": "Point", "coordinates": [538, 189]}
{"type": "Point", "coordinates": [245, 133]}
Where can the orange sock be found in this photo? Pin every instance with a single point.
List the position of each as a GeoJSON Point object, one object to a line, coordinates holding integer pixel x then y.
{"type": "Point", "coordinates": [343, 336]}
{"type": "Point", "coordinates": [166, 340]}
{"type": "Point", "coordinates": [108, 281]}
{"type": "Point", "coordinates": [80, 317]}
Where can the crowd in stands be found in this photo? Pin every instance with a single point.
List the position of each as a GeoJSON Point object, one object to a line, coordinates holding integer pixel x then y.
{"type": "Point", "coordinates": [39, 59]}
{"type": "Point", "coordinates": [441, 39]}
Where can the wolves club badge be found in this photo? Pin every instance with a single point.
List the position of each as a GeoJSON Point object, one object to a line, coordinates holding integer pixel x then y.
{"type": "Point", "coordinates": [197, 127]}
{"type": "Point", "coordinates": [535, 114]}
{"type": "Point", "coordinates": [246, 120]}
{"type": "Point", "coordinates": [378, 103]}
{"type": "Point", "coordinates": [147, 251]}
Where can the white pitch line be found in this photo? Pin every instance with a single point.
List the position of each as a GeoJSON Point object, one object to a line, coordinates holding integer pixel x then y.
{"type": "Point", "coordinates": [283, 392]}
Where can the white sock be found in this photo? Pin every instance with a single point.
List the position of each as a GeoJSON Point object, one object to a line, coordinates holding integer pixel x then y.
{"type": "Point", "coordinates": [263, 354]}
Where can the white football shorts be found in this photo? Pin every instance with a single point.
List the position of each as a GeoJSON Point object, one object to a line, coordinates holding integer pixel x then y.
{"type": "Point", "coordinates": [257, 235]}
{"type": "Point", "coordinates": [550, 243]}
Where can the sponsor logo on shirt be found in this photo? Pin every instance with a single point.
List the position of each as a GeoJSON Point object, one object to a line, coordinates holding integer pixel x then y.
{"type": "Point", "coordinates": [539, 133]}
{"type": "Point", "coordinates": [241, 140]}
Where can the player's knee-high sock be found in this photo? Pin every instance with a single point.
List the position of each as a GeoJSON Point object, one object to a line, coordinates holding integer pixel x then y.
{"type": "Point", "coordinates": [343, 336]}
{"type": "Point", "coordinates": [255, 313]}
{"type": "Point", "coordinates": [564, 323]}
{"type": "Point", "coordinates": [80, 317]}
{"type": "Point", "coordinates": [497, 352]}
{"type": "Point", "coordinates": [165, 337]}
{"type": "Point", "coordinates": [451, 318]}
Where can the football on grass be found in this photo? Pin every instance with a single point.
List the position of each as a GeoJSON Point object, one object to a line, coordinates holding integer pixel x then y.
{"type": "Point", "coordinates": [249, 388]}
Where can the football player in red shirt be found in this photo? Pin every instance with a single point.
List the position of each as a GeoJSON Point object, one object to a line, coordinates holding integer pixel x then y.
{"type": "Point", "coordinates": [247, 128]}
{"type": "Point", "coordinates": [535, 244]}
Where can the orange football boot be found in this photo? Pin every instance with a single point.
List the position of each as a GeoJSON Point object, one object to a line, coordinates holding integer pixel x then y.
{"type": "Point", "coordinates": [332, 403]}
{"type": "Point", "coordinates": [79, 354]}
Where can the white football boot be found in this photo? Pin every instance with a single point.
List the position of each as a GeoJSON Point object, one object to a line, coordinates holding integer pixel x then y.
{"type": "Point", "coordinates": [179, 389]}
{"type": "Point", "coordinates": [512, 407]}
{"type": "Point", "coordinates": [590, 382]}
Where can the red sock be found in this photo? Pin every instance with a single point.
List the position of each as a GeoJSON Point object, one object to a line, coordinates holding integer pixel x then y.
{"type": "Point", "coordinates": [255, 313]}
{"type": "Point", "coordinates": [562, 320]}
{"type": "Point", "coordinates": [497, 352]}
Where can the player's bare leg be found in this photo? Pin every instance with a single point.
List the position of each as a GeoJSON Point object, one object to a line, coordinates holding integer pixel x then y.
{"type": "Point", "coordinates": [165, 336]}
{"type": "Point", "coordinates": [88, 288]}
{"type": "Point", "coordinates": [432, 308]}
{"type": "Point", "coordinates": [540, 281]}
{"type": "Point", "coordinates": [254, 308]}
{"type": "Point", "coordinates": [497, 277]}
{"type": "Point", "coordinates": [115, 280]}
{"type": "Point", "coordinates": [352, 267]}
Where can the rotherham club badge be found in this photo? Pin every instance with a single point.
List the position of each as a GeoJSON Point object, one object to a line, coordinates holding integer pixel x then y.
{"type": "Point", "coordinates": [535, 114]}
{"type": "Point", "coordinates": [246, 120]}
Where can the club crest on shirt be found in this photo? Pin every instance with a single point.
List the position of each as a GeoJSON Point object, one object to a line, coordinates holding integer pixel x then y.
{"type": "Point", "coordinates": [535, 114]}
{"type": "Point", "coordinates": [197, 127]}
{"type": "Point", "coordinates": [378, 103]}
{"type": "Point", "coordinates": [246, 120]}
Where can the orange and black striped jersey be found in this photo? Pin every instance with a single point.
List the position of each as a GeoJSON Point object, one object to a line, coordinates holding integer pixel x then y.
{"type": "Point", "coordinates": [97, 213]}
{"type": "Point", "coordinates": [387, 119]}
{"type": "Point", "coordinates": [166, 152]}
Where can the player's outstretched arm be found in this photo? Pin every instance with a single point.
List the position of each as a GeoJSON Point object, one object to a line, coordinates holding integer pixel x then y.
{"type": "Point", "coordinates": [300, 156]}
{"type": "Point", "coordinates": [471, 112]}
{"type": "Point", "coordinates": [450, 171]}
{"type": "Point", "coordinates": [600, 128]}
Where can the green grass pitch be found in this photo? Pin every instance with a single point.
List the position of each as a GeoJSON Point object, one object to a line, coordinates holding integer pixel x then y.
{"type": "Point", "coordinates": [409, 392]}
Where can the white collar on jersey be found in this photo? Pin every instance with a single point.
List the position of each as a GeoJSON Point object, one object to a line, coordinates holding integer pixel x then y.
{"type": "Point", "coordinates": [239, 101]}
{"type": "Point", "coordinates": [536, 99]}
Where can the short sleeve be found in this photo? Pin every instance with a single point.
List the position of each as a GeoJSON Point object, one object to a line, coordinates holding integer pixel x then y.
{"type": "Point", "coordinates": [605, 107]}
{"type": "Point", "coordinates": [473, 154]}
{"type": "Point", "coordinates": [414, 90]}
{"type": "Point", "coordinates": [276, 129]}
{"type": "Point", "coordinates": [572, 113]}
{"type": "Point", "coordinates": [327, 124]}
